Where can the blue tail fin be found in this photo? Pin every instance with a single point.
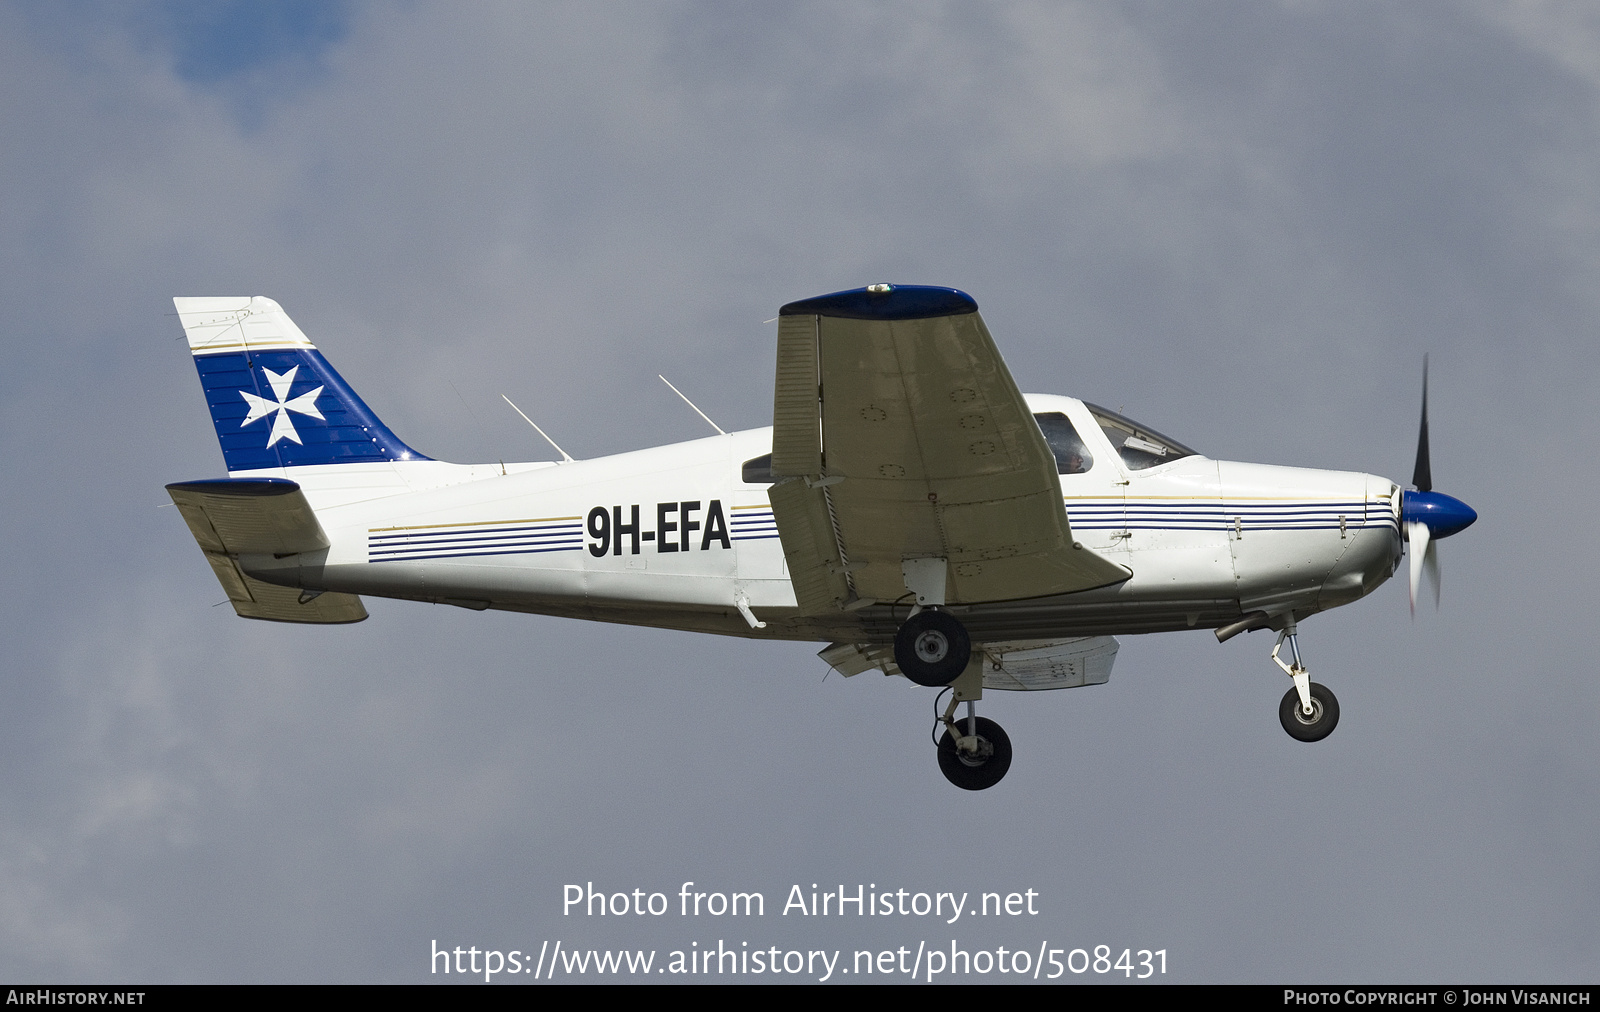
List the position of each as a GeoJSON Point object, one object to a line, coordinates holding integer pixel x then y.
{"type": "Point", "coordinates": [276, 402]}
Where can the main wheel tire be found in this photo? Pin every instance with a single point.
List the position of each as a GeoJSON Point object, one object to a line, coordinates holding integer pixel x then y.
{"type": "Point", "coordinates": [932, 648]}
{"type": "Point", "coordinates": [975, 774]}
{"type": "Point", "coordinates": [1324, 717]}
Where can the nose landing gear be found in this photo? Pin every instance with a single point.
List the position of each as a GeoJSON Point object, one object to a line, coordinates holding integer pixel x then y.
{"type": "Point", "coordinates": [1309, 711]}
{"type": "Point", "coordinates": [1313, 726]}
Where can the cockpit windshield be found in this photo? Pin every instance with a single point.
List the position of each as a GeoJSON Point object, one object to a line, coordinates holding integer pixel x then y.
{"type": "Point", "coordinates": [1139, 447]}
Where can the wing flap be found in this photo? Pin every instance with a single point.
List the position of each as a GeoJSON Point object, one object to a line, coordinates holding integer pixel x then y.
{"type": "Point", "coordinates": [810, 547]}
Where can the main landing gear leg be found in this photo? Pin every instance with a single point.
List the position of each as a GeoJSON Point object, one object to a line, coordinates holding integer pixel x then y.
{"type": "Point", "coordinates": [1308, 712]}
{"type": "Point", "coordinates": [932, 648]}
{"type": "Point", "coordinates": [974, 752]}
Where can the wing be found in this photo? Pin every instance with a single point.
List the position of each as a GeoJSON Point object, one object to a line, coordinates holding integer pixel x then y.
{"type": "Point", "coordinates": [230, 517]}
{"type": "Point", "coordinates": [899, 441]}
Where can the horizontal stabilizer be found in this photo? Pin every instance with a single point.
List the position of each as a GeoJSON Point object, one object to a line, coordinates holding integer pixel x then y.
{"type": "Point", "coordinates": [233, 517]}
{"type": "Point", "coordinates": [244, 516]}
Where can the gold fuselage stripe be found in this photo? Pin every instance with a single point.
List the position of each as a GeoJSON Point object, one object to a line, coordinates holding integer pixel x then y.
{"type": "Point", "coordinates": [475, 523]}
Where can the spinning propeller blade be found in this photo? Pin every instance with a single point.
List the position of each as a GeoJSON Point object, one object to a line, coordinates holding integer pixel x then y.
{"type": "Point", "coordinates": [1424, 561]}
{"type": "Point", "coordinates": [1426, 515]}
{"type": "Point", "coordinates": [1422, 474]}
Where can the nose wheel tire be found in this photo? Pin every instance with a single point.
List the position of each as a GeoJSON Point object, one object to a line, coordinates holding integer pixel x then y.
{"type": "Point", "coordinates": [932, 648]}
{"type": "Point", "coordinates": [976, 772]}
{"type": "Point", "coordinates": [1317, 725]}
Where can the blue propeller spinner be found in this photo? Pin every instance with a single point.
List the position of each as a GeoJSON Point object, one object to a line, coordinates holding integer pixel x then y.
{"type": "Point", "coordinates": [1426, 515]}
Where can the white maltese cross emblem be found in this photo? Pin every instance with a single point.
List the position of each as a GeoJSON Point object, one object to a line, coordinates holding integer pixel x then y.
{"type": "Point", "coordinates": [260, 407]}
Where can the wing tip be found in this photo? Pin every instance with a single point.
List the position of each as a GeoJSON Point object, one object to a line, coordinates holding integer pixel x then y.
{"type": "Point", "coordinates": [886, 302]}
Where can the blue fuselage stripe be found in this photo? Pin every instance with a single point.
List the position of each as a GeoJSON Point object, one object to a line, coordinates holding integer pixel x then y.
{"type": "Point", "coordinates": [464, 555]}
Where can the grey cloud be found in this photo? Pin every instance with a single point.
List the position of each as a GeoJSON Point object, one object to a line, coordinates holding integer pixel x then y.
{"type": "Point", "coordinates": [1245, 225]}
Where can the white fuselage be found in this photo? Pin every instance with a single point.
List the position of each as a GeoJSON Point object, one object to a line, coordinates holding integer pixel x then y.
{"type": "Point", "coordinates": [673, 537]}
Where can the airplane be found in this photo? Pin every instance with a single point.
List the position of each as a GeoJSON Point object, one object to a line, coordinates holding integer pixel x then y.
{"type": "Point", "coordinates": [909, 506]}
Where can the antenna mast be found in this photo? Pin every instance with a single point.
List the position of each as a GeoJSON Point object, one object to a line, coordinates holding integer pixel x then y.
{"type": "Point", "coordinates": [566, 458]}
{"type": "Point", "coordinates": [687, 401]}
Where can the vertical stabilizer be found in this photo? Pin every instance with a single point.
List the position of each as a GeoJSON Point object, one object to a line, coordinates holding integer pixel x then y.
{"type": "Point", "coordinates": [276, 402]}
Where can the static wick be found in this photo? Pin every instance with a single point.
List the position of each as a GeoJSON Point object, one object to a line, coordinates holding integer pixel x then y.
{"type": "Point", "coordinates": [566, 458]}
{"type": "Point", "coordinates": [687, 401]}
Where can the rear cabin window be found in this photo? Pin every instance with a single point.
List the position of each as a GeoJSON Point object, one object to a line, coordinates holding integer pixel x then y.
{"type": "Point", "coordinates": [1072, 457]}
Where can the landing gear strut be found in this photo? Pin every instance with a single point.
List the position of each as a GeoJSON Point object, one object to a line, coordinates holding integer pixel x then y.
{"type": "Point", "coordinates": [974, 751]}
{"type": "Point", "coordinates": [1309, 711]}
{"type": "Point", "coordinates": [932, 648]}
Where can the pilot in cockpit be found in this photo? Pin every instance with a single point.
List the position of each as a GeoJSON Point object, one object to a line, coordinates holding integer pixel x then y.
{"type": "Point", "coordinates": [1072, 457]}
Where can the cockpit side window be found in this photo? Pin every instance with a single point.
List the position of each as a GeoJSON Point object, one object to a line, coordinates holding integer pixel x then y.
{"type": "Point", "coordinates": [757, 470]}
{"type": "Point", "coordinates": [1072, 457]}
{"type": "Point", "coordinates": [1138, 446]}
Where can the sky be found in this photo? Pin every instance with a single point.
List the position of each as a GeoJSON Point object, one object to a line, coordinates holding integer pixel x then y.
{"type": "Point", "coordinates": [1242, 224]}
